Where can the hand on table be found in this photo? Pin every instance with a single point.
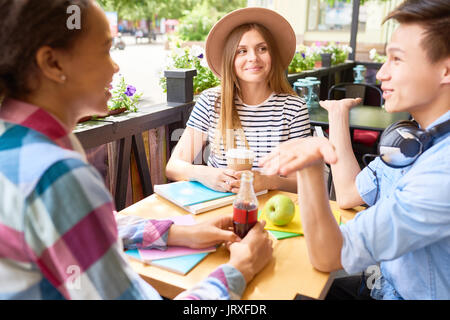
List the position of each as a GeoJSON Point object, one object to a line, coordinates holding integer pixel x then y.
{"type": "Point", "coordinates": [205, 234]}
{"type": "Point", "coordinates": [219, 179]}
{"type": "Point", "coordinates": [297, 154]}
{"type": "Point", "coordinates": [343, 105]}
{"type": "Point", "coordinates": [252, 253]}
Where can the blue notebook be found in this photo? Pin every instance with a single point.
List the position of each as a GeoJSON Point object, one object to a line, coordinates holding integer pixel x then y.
{"type": "Point", "coordinates": [181, 265]}
{"type": "Point", "coordinates": [187, 193]}
{"type": "Point", "coordinates": [194, 196]}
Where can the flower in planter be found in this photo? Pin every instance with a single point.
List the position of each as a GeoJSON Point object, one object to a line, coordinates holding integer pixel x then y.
{"type": "Point", "coordinates": [339, 53]}
{"type": "Point", "coordinates": [191, 58]}
{"type": "Point", "coordinates": [130, 91]}
{"type": "Point", "coordinates": [124, 97]}
{"type": "Point", "coordinates": [304, 59]}
{"type": "Point", "coordinates": [196, 51]}
{"type": "Point", "coordinates": [375, 57]}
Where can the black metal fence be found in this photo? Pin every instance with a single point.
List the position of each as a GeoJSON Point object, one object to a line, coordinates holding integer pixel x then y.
{"type": "Point", "coordinates": [335, 74]}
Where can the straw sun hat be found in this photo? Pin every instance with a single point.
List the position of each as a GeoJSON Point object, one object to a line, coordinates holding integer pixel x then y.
{"type": "Point", "coordinates": [278, 26]}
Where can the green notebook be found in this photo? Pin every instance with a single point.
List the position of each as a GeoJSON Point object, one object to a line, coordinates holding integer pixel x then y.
{"type": "Point", "coordinates": [281, 234]}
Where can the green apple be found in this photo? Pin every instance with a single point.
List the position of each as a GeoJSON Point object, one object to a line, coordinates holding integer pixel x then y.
{"type": "Point", "coordinates": [279, 209]}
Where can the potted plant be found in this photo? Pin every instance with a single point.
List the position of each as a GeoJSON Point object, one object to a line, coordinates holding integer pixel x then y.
{"type": "Point", "coordinates": [191, 58]}
{"type": "Point", "coordinates": [305, 58]}
{"type": "Point", "coordinates": [375, 57]}
{"type": "Point", "coordinates": [124, 98]}
{"type": "Point", "coordinates": [333, 54]}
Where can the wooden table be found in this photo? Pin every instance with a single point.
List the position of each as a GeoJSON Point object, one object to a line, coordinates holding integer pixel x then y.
{"type": "Point", "coordinates": [361, 117]}
{"type": "Point", "coordinates": [288, 274]}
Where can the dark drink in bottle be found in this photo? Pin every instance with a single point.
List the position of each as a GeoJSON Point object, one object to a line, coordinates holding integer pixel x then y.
{"type": "Point", "coordinates": [244, 218]}
{"type": "Point", "coordinates": [245, 206]}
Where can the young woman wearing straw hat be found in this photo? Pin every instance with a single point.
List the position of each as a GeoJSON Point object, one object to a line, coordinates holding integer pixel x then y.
{"type": "Point", "coordinates": [254, 108]}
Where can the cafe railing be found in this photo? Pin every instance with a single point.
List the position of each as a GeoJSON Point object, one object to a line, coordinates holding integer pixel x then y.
{"type": "Point", "coordinates": [329, 76]}
{"type": "Point", "coordinates": [118, 140]}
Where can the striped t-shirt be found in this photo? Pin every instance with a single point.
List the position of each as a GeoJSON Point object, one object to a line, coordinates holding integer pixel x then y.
{"type": "Point", "coordinates": [280, 118]}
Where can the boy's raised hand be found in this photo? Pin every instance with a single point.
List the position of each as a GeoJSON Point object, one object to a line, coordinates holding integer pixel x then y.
{"type": "Point", "coordinates": [297, 154]}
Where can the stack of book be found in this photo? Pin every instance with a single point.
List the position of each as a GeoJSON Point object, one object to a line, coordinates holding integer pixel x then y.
{"type": "Point", "coordinates": [194, 197]}
{"type": "Point", "coordinates": [180, 260]}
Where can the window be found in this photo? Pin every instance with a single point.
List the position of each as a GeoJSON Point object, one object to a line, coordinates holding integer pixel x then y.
{"type": "Point", "coordinates": [336, 17]}
{"type": "Point", "coordinates": [260, 3]}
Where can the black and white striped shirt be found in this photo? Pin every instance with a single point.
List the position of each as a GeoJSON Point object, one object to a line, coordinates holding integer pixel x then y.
{"type": "Point", "coordinates": [280, 118]}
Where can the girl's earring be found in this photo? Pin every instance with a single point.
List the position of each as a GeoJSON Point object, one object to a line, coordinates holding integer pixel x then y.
{"type": "Point", "coordinates": [63, 78]}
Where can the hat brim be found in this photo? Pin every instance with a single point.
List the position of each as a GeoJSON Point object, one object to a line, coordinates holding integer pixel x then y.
{"type": "Point", "coordinates": [278, 26]}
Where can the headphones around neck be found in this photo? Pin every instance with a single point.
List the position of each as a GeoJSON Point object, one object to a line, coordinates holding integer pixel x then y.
{"type": "Point", "coordinates": [403, 142]}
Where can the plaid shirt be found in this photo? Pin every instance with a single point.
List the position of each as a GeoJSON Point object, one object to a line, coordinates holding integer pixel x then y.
{"type": "Point", "coordinates": [60, 237]}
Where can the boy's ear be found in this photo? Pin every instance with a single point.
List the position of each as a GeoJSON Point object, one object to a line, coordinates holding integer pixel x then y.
{"type": "Point", "coordinates": [446, 71]}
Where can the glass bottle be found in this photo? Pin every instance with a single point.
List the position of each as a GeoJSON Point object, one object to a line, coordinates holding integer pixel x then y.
{"type": "Point", "coordinates": [245, 206]}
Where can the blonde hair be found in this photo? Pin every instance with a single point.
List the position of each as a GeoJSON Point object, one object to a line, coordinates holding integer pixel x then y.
{"type": "Point", "coordinates": [229, 120]}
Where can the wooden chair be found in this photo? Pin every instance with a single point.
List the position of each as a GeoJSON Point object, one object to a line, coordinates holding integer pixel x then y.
{"type": "Point", "coordinates": [371, 94]}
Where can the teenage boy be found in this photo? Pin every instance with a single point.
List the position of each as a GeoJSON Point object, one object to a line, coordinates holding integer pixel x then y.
{"type": "Point", "coordinates": [405, 233]}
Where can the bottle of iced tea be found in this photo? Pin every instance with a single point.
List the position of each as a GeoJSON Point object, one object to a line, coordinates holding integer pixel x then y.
{"type": "Point", "coordinates": [245, 206]}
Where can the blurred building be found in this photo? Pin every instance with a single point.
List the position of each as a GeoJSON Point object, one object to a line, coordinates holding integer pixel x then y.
{"type": "Point", "coordinates": [171, 25]}
{"type": "Point", "coordinates": [318, 21]}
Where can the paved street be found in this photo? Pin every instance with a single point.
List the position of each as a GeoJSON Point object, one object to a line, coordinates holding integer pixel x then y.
{"type": "Point", "coordinates": [141, 65]}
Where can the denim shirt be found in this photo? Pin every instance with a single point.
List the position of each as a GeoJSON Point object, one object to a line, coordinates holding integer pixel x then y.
{"type": "Point", "coordinates": [407, 228]}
